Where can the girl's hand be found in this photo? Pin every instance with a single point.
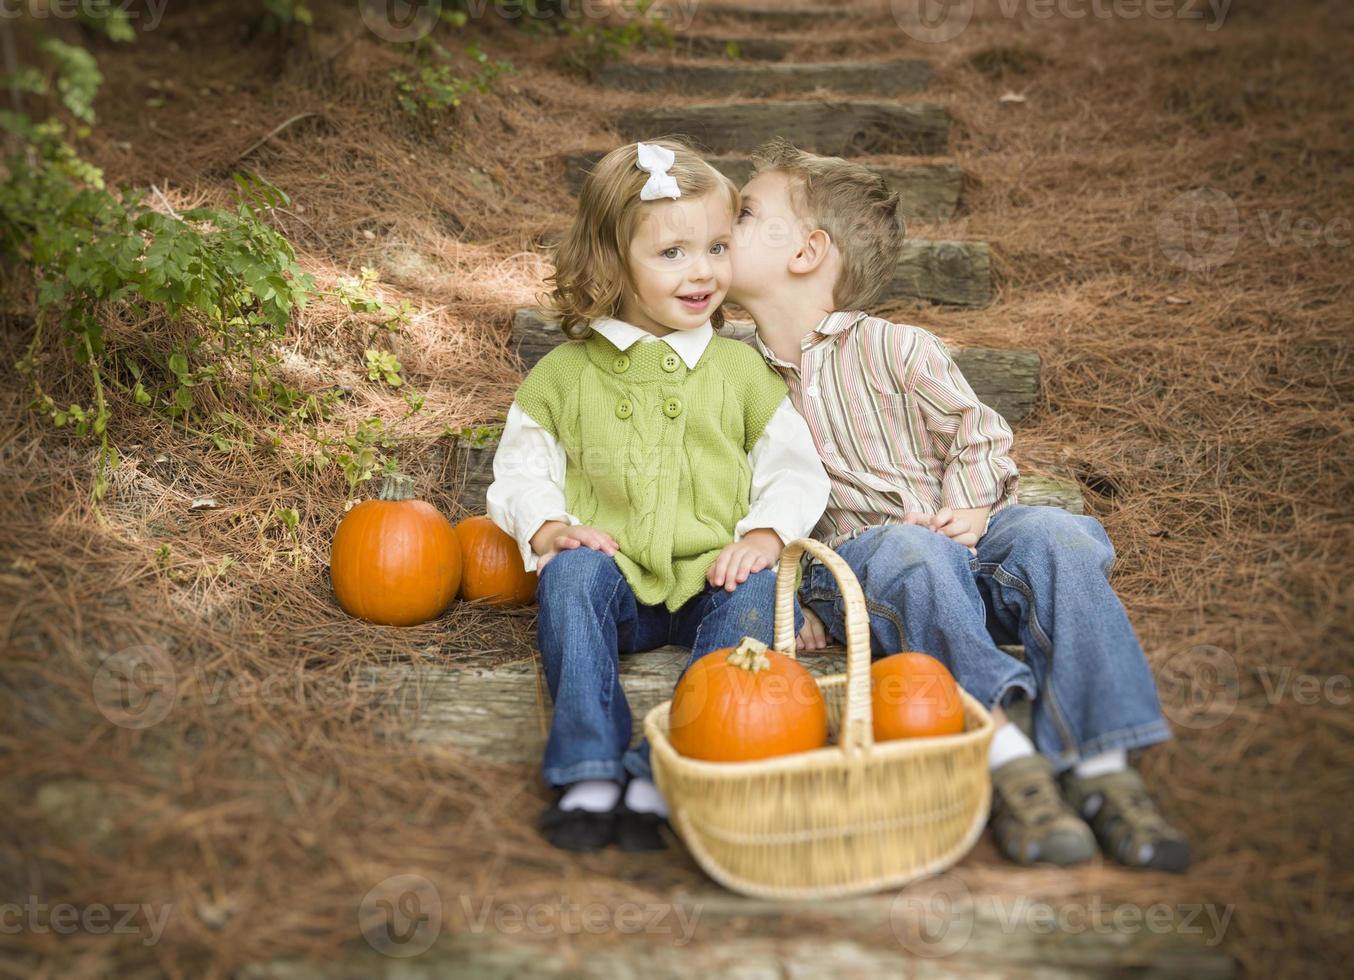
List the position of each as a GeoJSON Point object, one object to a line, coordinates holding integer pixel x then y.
{"type": "Point", "coordinates": [576, 536]}
{"type": "Point", "coordinates": [759, 548]}
{"type": "Point", "coordinates": [814, 634]}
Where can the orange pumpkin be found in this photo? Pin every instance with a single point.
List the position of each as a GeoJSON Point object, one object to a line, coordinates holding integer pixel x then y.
{"type": "Point", "coordinates": [746, 702]}
{"type": "Point", "coordinates": [395, 560]}
{"type": "Point", "coordinates": [493, 565]}
{"type": "Point", "coordinates": [914, 695]}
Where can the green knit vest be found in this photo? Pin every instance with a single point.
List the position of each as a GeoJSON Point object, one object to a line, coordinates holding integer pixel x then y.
{"type": "Point", "coordinates": [656, 452]}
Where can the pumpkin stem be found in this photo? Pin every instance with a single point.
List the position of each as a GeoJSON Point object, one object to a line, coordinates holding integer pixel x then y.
{"type": "Point", "coordinates": [750, 655]}
{"type": "Point", "coordinates": [397, 486]}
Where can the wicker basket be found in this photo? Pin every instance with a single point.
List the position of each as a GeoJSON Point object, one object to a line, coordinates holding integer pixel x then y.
{"type": "Point", "coordinates": [850, 818]}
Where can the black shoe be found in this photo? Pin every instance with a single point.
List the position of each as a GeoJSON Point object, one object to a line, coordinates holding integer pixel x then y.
{"type": "Point", "coordinates": [578, 829]}
{"type": "Point", "coordinates": [639, 831]}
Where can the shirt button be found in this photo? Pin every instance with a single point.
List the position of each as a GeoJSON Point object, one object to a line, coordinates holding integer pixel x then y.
{"type": "Point", "coordinates": [671, 362]}
{"type": "Point", "coordinates": [621, 364]}
{"type": "Point", "coordinates": [672, 407]}
{"type": "Point", "coordinates": [812, 391]}
{"type": "Point", "coordinates": [623, 409]}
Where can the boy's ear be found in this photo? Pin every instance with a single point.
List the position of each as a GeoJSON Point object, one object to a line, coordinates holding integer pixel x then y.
{"type": "Point", "coordinates": [813, 253]}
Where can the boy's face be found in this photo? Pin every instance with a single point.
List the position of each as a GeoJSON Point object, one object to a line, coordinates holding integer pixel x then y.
{"type": "Point", "coordinates": [679, 264]}
{"type": "Point", "coordinates": [766, 236]}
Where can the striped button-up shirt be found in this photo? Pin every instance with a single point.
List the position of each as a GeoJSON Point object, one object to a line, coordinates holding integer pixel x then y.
{"type": "Point", "coordinates": [896, 424]}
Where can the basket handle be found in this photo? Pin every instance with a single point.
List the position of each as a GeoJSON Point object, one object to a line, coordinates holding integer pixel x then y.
{"type": "Point", "coordinates": [857, 723]}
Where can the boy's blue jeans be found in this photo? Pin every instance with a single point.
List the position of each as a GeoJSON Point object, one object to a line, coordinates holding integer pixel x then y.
{"type": "Point", "coordinates": [1040, 578]}
{"type": "Point", "coordinates": [588, 617]}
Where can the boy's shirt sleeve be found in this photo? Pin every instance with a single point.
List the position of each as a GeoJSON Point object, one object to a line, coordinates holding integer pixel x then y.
{"type": "Point", "coordinates": [528, 487]}
{"type": "Point", "coordinates": [976, 440]}
{"type": "Point", "coordinates": [790, 488]}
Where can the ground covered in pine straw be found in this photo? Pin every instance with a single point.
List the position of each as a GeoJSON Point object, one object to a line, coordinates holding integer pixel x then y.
{"type": "Point", "coordinates": [1196, 378]}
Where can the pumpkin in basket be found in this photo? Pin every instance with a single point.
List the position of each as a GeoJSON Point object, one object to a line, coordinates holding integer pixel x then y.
{"type": "Point", "coordinates": [395, 560]}
{"type": "Point", "coordinates": [746, 702]}
{"type": "Point", "coordinates": [493, 565]}
{"type": "Point", "coordinates": [913, 695]}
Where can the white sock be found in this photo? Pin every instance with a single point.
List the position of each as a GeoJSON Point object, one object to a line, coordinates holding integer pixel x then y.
{"type": "Point", "coordinates": [642, 796]}
{"type": "Point", "coordinates": [1008, 742]}
{"type": "Point", "coordinates": [596, 795]}
{"type": "Point", "coordinates": [1115, 760]}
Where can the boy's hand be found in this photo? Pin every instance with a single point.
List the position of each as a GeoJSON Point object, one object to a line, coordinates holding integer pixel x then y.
{"type": "Point", "coordinates": [759, 548]}
{"type": "Point", "coordinates": [947, 522]}
{"type": "Point", "coordinates": [556, 536]}
{"type": "Point", "coordinates": [814, 634]}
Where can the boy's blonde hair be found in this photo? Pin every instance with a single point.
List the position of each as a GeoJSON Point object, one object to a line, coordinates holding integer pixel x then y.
{"type": "Point", "coordinates": [854, 205]}
{"type": "Point", "coordinates": [592, 269]}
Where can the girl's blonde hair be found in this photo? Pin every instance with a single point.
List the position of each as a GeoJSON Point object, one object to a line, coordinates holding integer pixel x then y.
{"type": "Point", "coordinates": [592, 269]}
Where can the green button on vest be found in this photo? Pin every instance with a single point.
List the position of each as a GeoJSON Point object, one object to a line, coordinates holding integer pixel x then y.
{"type": "Point", "coordinates": [624, 409]}
{"type": "Point", "coordinates": [672, 407]}
{"type": "Point", "coordinates": [671, 362]}
{"type": "Point", "coordinates": [621, 364]}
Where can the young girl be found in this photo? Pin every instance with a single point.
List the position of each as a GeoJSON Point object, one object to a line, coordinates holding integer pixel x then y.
{"type": "Point", "coordinates": [650, 470]}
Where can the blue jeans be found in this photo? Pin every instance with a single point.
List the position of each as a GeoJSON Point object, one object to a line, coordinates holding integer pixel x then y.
{"type": "Point", "coordinates": [1040, 578]}
{"type": "Point", "coordinates": [588, 616]}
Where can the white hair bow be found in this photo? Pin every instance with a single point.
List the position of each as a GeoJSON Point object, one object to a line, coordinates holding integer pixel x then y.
{"type": "Point", "coordinates": [656, 160]}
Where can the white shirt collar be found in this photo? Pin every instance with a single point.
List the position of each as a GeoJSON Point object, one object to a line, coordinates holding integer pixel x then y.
{"type": "Point", "coordinates": [689, 344]}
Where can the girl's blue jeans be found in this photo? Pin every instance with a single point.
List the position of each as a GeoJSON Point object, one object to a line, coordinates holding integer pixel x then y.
{"type": "Point", "coordinates": [1040, 578]}
{"type": "Point", "coordinates": [589, 617]}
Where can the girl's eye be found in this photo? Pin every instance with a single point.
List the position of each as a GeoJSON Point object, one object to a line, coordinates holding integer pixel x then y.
{"type": "Point", "coordinates": [671, 253]}
{"type": "Point", "coordinates": [743, 212]}
{"type": "Point", "coordinates": [719, 248]}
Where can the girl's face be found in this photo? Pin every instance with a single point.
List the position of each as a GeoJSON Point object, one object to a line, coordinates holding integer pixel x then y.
{"type": "Point", "coordinates": [679, 263]}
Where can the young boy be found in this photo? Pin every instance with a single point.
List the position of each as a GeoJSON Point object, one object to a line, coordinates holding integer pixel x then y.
{"type": "Point", "coordinates": [924, 509]}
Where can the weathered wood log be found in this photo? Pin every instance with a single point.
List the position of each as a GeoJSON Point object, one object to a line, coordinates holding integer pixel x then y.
{"type": "Point", "coordinates": [925, 190]}
{"type": "Point", "coordinates": [698, 935]}
{"type": "Point", "coordinates": [1007, 380]}
{"type": "Point", "coordinates": [502, 714]}
{"type": "Point", "coordinates": [775, 17]}
{"type": "Point", "coordinates": [879, 79]}
{"type": "Point", "coordinates": [948, 272]}
{"type": "Point", "coordinates": [734, 47]}
{"type": "Point", "coordinates": [854, 128]}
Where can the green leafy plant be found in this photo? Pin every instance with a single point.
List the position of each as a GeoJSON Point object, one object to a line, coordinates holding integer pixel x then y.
{"type": "Point", "coordinates": [102, 17]}
{"type": "Point", "coordinates": [434, 84]}
{"type": "Point", "coordinates": [357, 295]}
{"type": "Point", "coordinates": [597, 44]}
{"type": "Point", "coordinates": [383, 366]}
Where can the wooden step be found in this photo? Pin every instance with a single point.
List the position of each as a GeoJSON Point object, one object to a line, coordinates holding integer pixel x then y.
{"type": "Point", "coordinates": [778, 17]}
{"type": "Point", "coordinates": [836, 128]}
{"type": "Point", "coordinates": [711, 932]}
{"type": "Point", "coordinates": [1007, 380]}
{"type": "Point", "coordinates": [757, 81]}
{"type": "Point", "coordinates": [502, 713]}
{"type": "Point", "coordinates": [749, 47]}
{"type": "Point", "coordinates": [925, 190]}
{"type": "Point", "coordinates": [948, 272]}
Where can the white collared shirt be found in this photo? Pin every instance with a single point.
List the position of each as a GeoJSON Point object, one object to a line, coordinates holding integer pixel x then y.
{"type": "Point", "coordinates": [789, 487]}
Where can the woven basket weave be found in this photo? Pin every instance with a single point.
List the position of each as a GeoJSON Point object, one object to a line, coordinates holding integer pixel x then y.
{"type": "Point", "coordinates": [847, 819]}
